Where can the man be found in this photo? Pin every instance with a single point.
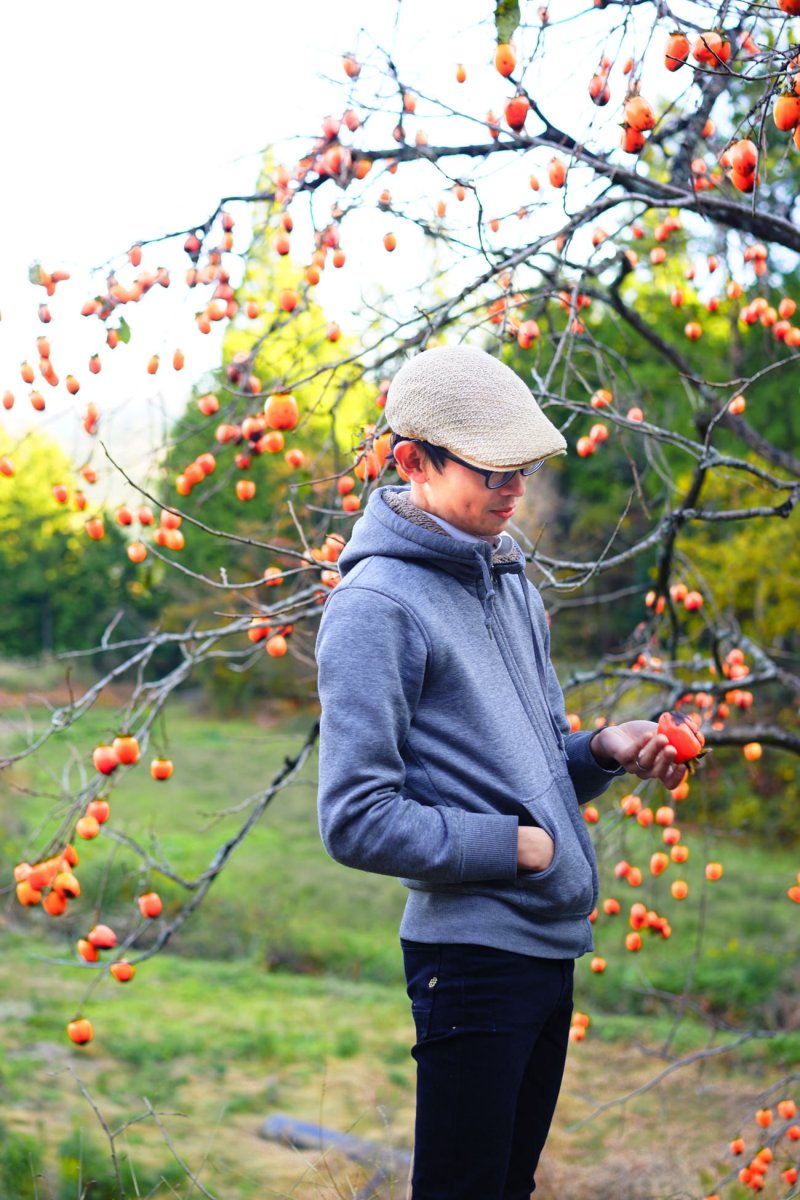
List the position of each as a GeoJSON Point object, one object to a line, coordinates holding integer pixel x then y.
{"type": "Point", "coordinates": [446, 758]}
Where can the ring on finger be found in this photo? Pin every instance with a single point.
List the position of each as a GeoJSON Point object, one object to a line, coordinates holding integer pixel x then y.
{"type": "Point", "coordinates": [639, 766]}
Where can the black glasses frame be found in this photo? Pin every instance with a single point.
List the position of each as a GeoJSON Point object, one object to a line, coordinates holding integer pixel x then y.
{"type": "Point", "coordinates": [493, 479]}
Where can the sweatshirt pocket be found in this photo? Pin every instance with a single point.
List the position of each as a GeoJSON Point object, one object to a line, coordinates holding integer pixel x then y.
{"type": "Point", "coordinates": [566, 887]}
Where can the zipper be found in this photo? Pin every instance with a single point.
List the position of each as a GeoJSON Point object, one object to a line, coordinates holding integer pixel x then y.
{"type": "Point", "coordinates": [530, 708]}
{"type": "Point", "coordinates": [538, 714]}
{"type": "Point", "coordinates": [519, 686]}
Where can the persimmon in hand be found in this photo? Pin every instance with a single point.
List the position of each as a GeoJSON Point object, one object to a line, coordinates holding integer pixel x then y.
{"type": "Point", "coordinates": [683, 734]}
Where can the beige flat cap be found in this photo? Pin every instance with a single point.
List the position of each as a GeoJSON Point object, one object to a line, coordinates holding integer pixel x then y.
{"type": "Point", "coordinates": [473, 405]}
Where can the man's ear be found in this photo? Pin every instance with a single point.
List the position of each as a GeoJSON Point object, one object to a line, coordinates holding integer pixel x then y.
{"type": "Point", "coordinates": [412, 461]}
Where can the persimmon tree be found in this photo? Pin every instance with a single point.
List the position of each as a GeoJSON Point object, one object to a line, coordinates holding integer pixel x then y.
{"type": "Point", "coordinates": [633, 254]}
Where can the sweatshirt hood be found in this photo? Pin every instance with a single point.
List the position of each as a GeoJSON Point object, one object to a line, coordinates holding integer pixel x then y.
{"type": "Point", "coordinates": [392, 526]}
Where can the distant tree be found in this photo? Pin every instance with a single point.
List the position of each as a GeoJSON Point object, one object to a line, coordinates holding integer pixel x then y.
{"type": "Point", "coordinates": [60, 588]}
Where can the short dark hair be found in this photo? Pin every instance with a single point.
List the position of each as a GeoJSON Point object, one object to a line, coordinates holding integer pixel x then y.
{"type": "Point", "coordinates": [435, 454]}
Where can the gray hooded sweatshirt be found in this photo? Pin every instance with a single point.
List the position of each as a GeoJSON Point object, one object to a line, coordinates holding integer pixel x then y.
{"type": "Point", "coordinates": [443, 730]}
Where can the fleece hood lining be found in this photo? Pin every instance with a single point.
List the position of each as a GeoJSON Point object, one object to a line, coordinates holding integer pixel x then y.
{"type": "Point", "coordinates": [400, 503]}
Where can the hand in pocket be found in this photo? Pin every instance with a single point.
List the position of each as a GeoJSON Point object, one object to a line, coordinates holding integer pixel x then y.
{"type": "Point", "coordinates": [535, 848]}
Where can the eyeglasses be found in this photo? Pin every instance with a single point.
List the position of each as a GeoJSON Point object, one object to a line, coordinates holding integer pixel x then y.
{"type": "Point", "coordinates": [493, 479]}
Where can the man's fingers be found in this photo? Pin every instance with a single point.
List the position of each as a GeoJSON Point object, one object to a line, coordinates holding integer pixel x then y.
{"type": "Point", "coordinates": [656, 760]}
{"type": "Point", "coordinates": [651, 751]}
{"type": "Point", "coordinates": [673, 774]}
{"type": "Point", "coordinates": [667, 770]}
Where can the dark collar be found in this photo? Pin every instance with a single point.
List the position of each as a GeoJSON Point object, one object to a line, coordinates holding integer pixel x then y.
{"type": "Point", "coordinates": [400, 503]}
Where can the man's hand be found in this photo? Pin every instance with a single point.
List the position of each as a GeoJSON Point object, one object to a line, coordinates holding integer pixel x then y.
{"type": "Point", "coordinates": [640, 749]}
{"type": "Point", "coordinates": [535, 848]}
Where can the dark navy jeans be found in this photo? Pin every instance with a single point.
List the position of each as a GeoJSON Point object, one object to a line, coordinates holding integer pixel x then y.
{"type": "Point", "coordinates": [492, 1035]}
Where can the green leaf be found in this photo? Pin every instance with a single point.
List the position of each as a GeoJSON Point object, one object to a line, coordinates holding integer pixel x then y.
{"type": "Point", "coordinates": [506, 19]}
{"type": "Point", "coordinates": [124, 331]}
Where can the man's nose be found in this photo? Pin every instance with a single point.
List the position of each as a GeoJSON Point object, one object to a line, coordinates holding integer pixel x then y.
{"type": "Point", "coordinates": [515, 486]}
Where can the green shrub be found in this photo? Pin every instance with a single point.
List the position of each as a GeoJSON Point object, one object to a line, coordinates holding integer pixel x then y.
{"type": "Point", "coordinates": [86, 1170]}
{"type": "Point", "coordinates": [21, 1166]}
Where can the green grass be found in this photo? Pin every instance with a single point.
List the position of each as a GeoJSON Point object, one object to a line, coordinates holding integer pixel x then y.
{"type": "Point", "coordinates": [23, 676]}
{"type": "Point", "coordinates": [223, 1043]}
{"type": "Point", "coordinates": [280, 897]}
{"type": "Point", "coordinates": [216, 1047]}
{"type": "Point", "coordinates": [284, 992]}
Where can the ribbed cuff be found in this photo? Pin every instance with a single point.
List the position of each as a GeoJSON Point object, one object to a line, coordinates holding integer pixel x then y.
{"type": "Point", "coordinates": [490, 847]}
{"type": "Point", "coordinates": [588, 777]}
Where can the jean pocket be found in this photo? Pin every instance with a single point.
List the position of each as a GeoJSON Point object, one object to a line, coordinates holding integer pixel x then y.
{"type": "Point", "coordinates": [449, 993]}
{"type": "Point", "coordinates": [422, 966]}
{"type": "Point", "coordinates": [421, 1009]}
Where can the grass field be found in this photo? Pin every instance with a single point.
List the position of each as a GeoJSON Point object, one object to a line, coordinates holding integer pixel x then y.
{"type": "Point", "coordinates": [284, 993]}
